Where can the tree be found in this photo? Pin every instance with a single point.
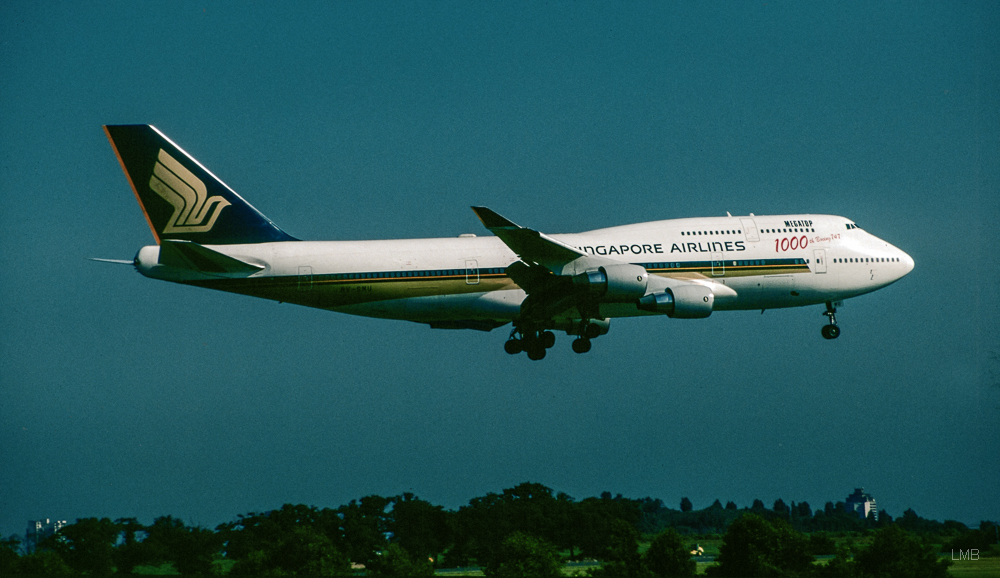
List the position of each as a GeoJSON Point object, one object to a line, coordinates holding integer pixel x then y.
{"type": "Point", "coordinates": [395, 562]}
{"type": "Point", "coordinates": [191, 549]}
{"type": "Point", "coordinates": [365, 526]}
{"type": "Point", "coordinates": [668, 557]}
{"type": "Point", "coordinates": [982, 539]}
{"type": "Point", "coordinates": [296, 539]}
{"type": "Point", "coordinates": [840, 566]}
{"type": "Point", "coordinates": [529, 508]}
{"type": "Point", "coordinates": [821, 544]}
{"type": "Point", "coordinates": [686, 505]}
{"type": "Point", "coordinates": [130, 552]}
{"type": "Point", "coordinates": [731, 506]}
{"type": "Point", "coordinates": [781, 509]}
{"type": "Point", "coordinates": [524, 555]}
{"type": "Point", "coordinates": [895, 553]}
{"type": "Point", "coordinates": [302, 551]}
{"type": "Point", "coordinates": [621, 558]}
{"type": "Point", "coordinates": [9, 555]}
{"type": "Point", "coordinates": [42, 563]}
{"type": "Point", "coordinates": [419, 527]}
{"type": "Point", "coordinates": [595, 522]}
{"type": "Point", "coordinates": [754, 546]}
{"type": "Point", "coordinates": [87, 546]}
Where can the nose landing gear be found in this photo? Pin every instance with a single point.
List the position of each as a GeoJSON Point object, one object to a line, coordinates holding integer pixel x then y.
{"type": "Point", "coordinates": [830, 331]}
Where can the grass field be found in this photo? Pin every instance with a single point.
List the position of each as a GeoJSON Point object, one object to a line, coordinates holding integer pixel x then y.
{"type": "Point", "coordinates": [982, 568]}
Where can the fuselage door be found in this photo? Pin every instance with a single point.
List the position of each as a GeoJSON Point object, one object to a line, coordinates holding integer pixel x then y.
{"type": "Point", "coordinates": [820, 256]}
{"type": "Point", "coordinates": [750, 230]}
{"type": "Point", "coordinates": [718, 265]}
{"type": "Point", "coordinates": [471, 272]}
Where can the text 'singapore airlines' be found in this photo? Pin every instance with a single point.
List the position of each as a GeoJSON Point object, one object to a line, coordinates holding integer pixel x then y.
{"type": "Point", "coordinates": [208, 236]}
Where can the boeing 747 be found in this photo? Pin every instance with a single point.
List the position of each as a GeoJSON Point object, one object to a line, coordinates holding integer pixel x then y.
{"type": "Point", "coordinates": [208, 236]}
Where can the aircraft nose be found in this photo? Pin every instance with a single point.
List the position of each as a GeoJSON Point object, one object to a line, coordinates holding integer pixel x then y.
{"type": "Point", "coordinates": [907, 262]}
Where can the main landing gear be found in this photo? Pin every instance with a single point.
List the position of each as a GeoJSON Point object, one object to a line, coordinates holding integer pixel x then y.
{"type": "Point", "coordinates": [831, 331]}
{"type": "Point", "coordinates": [535, 342]}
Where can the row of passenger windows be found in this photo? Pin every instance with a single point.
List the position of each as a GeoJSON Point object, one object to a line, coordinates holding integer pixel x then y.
{"type": "Point", "coordinates": [693, 233]}
{"type": "Point", "coordinates": [401, 274]}
{"type": "Point", "coordinates": [746, 263]}
{"type": "Point", "coordinates": [766, 262]}
{"type": "Point", "coordinates": [868, 260]}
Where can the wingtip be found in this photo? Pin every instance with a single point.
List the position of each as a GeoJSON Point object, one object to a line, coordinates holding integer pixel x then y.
{"type": "Point", "coordinates": [491, 219]}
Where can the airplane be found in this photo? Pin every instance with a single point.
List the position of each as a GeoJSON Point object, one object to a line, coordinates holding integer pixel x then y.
{"type": "Point", "coordinates": [208, 236]}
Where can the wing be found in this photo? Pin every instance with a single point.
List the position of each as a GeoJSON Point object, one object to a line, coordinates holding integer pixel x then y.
{"type": "Point", "coordinates": [553, 274]}
{"type": "Point", "coordinates": [530, 245]}
{"type": "Point", "coordinates": [558, 277]}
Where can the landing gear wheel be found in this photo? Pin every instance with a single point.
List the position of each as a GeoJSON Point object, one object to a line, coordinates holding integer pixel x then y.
{"type": "Point", "coordinates": [548, 339]}
{"type": "Point", "coordinates": [830, 331]}
{"type": "Point", "coordinates": [536, 353]}
{"type": "Point", "coordinates": [581, 345]}
{"type": "Point", "coordinates": [591, 331]}
{"type": "Point", "coordinates": [513, 346]}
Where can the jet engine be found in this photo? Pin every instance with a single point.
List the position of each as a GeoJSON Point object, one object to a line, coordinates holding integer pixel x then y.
{"type": "Point", "coordinates": [684, 302]}
{"type": "Point", "coordinates": [615, 283]}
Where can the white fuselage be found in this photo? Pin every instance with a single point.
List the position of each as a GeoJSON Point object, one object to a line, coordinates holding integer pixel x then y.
{"type": "Point", "coordinates": [755, 262]}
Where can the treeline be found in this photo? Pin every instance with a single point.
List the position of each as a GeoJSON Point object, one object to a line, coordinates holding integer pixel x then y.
{"type": "Point", "coordinates": [406, 536]}
{"type": "Point", "coordinates": [833, 517]}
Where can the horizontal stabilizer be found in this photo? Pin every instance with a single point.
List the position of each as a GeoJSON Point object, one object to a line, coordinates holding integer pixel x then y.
{"type": "Point", "coordinates": [191, 255]}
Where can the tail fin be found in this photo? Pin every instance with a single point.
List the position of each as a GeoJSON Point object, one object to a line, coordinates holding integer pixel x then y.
{"type": "Point", "coordinates": [182, 200]}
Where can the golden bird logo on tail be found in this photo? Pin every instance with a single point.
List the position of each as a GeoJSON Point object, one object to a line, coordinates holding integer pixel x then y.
{"type": "Point", "coordinates": [194, 211]}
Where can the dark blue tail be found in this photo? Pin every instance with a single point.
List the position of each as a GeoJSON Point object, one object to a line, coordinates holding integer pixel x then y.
{"type": "Point", "coordinates": [182, 200]}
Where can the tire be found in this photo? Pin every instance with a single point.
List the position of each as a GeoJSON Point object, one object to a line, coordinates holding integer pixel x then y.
{"type": "Point", "coordinates": [830, 331]}
{"type": "Point", "coordinates": [536, 353]}
{"type": "Point", "coordinates": [513, 346]}
{"type": "Point", "coordinates": [581, 345]}
{"type": "Point", "coordinates": [548, 339]}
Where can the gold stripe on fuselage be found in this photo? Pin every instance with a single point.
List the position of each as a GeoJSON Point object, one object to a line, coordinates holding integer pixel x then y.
{"type": "Point", "coordinates": [320, 290]}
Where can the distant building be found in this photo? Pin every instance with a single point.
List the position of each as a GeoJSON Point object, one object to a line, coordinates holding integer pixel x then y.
{"type": "Point", "coordinates": [39, 530]}
{"type": "Point", "coordinates": [861, 503]}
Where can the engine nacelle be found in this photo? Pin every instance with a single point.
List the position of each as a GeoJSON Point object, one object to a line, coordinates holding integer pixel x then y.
{"type": "Point", "coordinates": [615, 283]}
{"type": "Point", "coordinates": [684, 302]}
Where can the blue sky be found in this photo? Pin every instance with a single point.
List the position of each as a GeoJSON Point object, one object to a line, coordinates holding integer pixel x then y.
{"type": "Point", "coordinates": [123, 396]}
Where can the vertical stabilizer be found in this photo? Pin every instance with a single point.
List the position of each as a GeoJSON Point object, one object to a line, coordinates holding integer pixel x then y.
{"type": "Point", "coordinates": [182, 200]}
